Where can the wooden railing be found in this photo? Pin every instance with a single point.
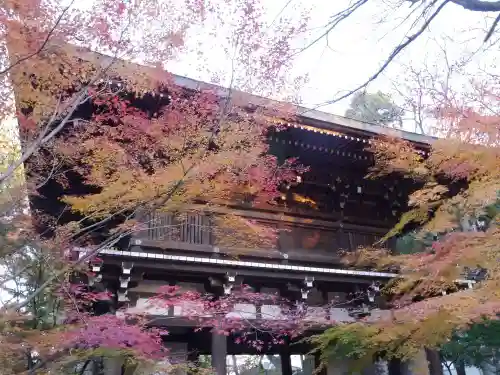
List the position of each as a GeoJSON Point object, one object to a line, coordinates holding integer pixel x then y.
{"type": "Point", "coordinates": [196, 229]}
{"type": "Point", "coordinates": [192, 228]}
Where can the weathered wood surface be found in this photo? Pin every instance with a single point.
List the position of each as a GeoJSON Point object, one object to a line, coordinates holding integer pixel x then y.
{"type": "Point", "coordinates": [303, 235]}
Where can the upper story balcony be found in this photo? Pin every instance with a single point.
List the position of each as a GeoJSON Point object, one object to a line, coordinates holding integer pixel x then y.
{"type": "Point", "coordinates": [298, 239]}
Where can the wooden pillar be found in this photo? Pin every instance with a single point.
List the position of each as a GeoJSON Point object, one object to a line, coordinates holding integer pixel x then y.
{"type": "Point", "coordinates": [286, 362]}
{"type": "Point", "coordinates": [434, 361]}
{"type": "Point", "coordinates": [258, 304]}
{"type": "Point", "coordinates": [395, 367]}
{"type": "Point", "coordinates": [317, 363]}
{"type": "Point", "coordinates": [192, 355]}
{"type": "Point", "coordinates": [113, 365]}
{"type": "Point", "coordinates": [219, 352]}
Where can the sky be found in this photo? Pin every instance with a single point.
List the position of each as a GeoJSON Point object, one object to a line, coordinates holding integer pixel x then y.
{"type": "Point", "coordinates": [353, 51]}
{"type": "Point", "coordinates": [359, 45]}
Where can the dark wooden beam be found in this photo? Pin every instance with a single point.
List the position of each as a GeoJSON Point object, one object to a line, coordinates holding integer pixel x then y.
{"type": "Point", "coordinates": [325, 256]}
{"type": "Point", "coordinates": [205, 269]}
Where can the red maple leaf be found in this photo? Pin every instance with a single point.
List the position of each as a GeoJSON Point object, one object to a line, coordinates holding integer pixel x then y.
{"type": "Point", "coordinates": [121, 7]}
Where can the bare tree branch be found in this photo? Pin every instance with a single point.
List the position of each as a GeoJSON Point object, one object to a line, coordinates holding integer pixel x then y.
{"type": "Point", "coordinates": [336, 19]}
{"type": "Point", "coordinates": [492, 28]}
{"type": "Point", "coordinates": [15, 275]}
{"type": "Point", "coordinates": [46, 40]}
{"type": "Point", "coordinates": [391, 57]}
{"type": "Point", "coordinates": [280, 12]}
{"type": "Point", "coordinates": [425, 13]}
{"type": "Point", "coordinates": [78, 99]}
{"type": "Point", "coordinates": [43, 138]}
{"type": "Point", "coordinates": [422, 8]}
{"type": "Point", "coordinates": [113, 240]}
{"type": "Point", "coordinates": [479, 5]}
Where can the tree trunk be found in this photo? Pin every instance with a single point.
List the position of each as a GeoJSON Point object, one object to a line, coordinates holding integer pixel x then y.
{"type": "Point", "coordinates": [460, 367]}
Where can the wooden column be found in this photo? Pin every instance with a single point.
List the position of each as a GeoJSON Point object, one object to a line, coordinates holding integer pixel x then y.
{"type": "Point", "coordinates": [434, 361]}
{"type": "Point", "coordinates": [395, 367]}
{"type": "Point", "coordinates": [192, 351]}
{"type": "Point", "coordinates": [192, 355]}
{"type": "Point", "coordinates": [258, 304]}
{"type": "Point", "coordinates": [113, 365]}
{"type": "Point", "coordinates": [317, 362]}
{"type": "Point", "coordinates": [219, 352]}
{"type": "Point", "coordinates": [286, 362]}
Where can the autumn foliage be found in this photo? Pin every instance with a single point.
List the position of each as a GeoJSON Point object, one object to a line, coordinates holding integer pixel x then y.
{"type": "Point", "coordinates": [448, 273]}
{"type": "Point", "coordinates": [107, 136]}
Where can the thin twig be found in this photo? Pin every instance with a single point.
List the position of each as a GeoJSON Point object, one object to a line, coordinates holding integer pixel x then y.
{"type": "Point", "coordinates": [384, 66]}
{"type": "Point", "coordinates": [46, 40]}
{"type": "Point", "coordinates": [74, 103]}
{"type": "Point", "coordinates": [336, 19]}
{"type": "Point", "coordinates": [105, 244]}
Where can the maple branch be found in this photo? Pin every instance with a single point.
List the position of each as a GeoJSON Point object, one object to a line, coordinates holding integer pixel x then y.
{"type": "Point", "coordinates": [46, 40]}
{"type": "Point", "coordinates": [43, 138]}
{"type": "Point", "coordinates": [70, 109]}
{"type": "Point", "coordinates": [384, 66]}
{"type": "Point", "coordinates": [105, 244]}
{"type": "Point", "coordinates": [51, 174]}
{"type": "Point", "coordinates": [15, 275]}
{"type": "Point", "coordinates": [75, 102]}
{"type": "Point", "coordinates": [98, 223]}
